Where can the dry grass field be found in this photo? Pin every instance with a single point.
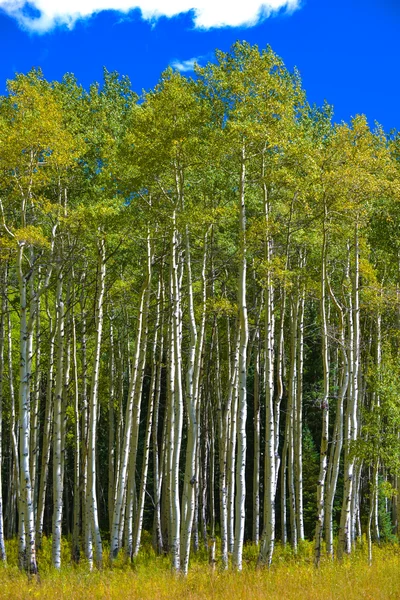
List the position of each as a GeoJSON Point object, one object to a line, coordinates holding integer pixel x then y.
{"type": "Point", "coordinates": [291, 578]}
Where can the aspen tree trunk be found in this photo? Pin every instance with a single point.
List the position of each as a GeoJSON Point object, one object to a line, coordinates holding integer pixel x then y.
{"type": "Point", "coordinates": [212, 540]}
{"type": "Point", "coordinates": [345, 531]}
{"type": "Point", "coordinates": [131, 496]}
{"type": "Point", "coordinates": [14, 474]}
{"type": "Point", "coordinates": [2, 344]}
{"type": "Point", "coordinates": [337, 439]}
{"type": "Point", "coordinates": [204, 475]}
{"type": "Point", "coordinates": [118, 520]}
{"type": "Point", "coordinates": [47, 427]}
{"type": "Point", "coordinates": [35, 397]}
{"type": "Point", "coordinates": [111, 430]}
{"type": "Point", "coordinates": [279, 381]}
{"type": "Point", "coordinates": [91, 509]}
{"type": "Point", "coordinates": [176, 367]}
{"type": "Point", "coordinates": [225, 452]}
{"type": "Point", "coordinates": [26, 512]}
{"type": "Point", "coordinates": [192, 391]}
{"type": "Point", "coordinates": [280, 365]}
{"type": "Point", "coordinates": [165, 486]}
{"type": "Point", "coordinates": [170, 419]}
{"type": "Point", "coordinates": [119, 394]}
{"type": "Point", "coordinates": [190, 467]}
{"type": "Point", "coordinates": [377, 402]}
{"type": "Point", "coordinates": [137, 531]}
{"type": "Point", "coordinates": [284, 533]}
{"type": "Point", "coordinates": [242, 400]}
{"type": "Point", "coordinates": [256, 458]}
{"type": "Point", "coordinates": [157, 460]}
{"type": "Point", "coordinates": [372, 507]}
{"type": "Point", "coordinates": [355, 506]}
{"type": "Point", "coordinates": [271, 419]}
{"type": "Point", "coordinates": [77, 450]}
{"type": "Point", "coordinates": [298, 448]}
{"type": "Point", "coordinates": [324, 406]}
{"type": "Point", "coordinates": [290, 419]}
{"type": "Point", "coordinates": [88, 548]}
{"type": "Point", "coordinates": [58, 481]}
{"type": "Point", "coordinates": [65, 397]}
{"type": "Point", "coordinates": [232, 438]}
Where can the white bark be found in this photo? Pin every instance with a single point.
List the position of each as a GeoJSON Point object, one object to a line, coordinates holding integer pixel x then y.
{"type": "Point", "coordinates": [91, 494]}
{"type": "Point", "coordinates": [137, 531]}
{"type": "Point", "coordinates": [242, 401]}
{"type": "Point", "coordinates": [77, 451]}
{"type": "Point", "coordinates": [118, 520]}
{"type": "Point", "coordinates": [324, 407]}
{"type": "Point", "coordinates": [2, 345]}
{"type": "Point", "coordinates": [337, 439]}
{"type": "Point", "coordinates": [131, 495]}
{"type": "Point", "coordinates": [26, 509]}
{"type": "Point", "coordinates": [192, 391]}
{"type": "Point", "coordinates": [58, 480]}
{"type": "Point", "coordinates": [177, 399]}
{"type": "Point", "coordinates": [271, 436]}
{"type": "Point", "coordinates": [351, 431]}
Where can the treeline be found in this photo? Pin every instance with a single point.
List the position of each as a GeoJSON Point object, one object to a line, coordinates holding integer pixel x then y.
{"type": "Point", "coordinates": [200, 306]}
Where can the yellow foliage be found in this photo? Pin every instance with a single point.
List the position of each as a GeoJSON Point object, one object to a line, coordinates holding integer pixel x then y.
{"type": "Point", "coordinates": [31, 235]}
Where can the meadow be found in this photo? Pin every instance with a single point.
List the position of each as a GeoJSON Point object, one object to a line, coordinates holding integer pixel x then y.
{"type": "Point", "coordinates": [149, 578]}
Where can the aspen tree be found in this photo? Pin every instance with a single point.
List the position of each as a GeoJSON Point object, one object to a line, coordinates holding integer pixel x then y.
{"type": "Point", "coordinates": [3, 275]}
{"type": "Point", "coordinates": [148, 430]}
{"type": "Point", "coordinates": [92, 522]}
{"type": "Point", "coordinates": [324, 402]}
{"type": "Point", "coordinates": [58, 479]}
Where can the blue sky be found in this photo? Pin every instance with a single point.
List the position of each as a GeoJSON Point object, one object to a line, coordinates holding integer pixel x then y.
{"type": "Point", "coordinates": [347, 52]}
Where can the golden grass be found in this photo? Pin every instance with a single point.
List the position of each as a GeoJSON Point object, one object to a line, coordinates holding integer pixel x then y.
{"type": "Point", "coordinates": [291, 578]}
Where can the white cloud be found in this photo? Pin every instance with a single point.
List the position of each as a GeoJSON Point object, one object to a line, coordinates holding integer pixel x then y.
{"type": "Point", "coordinates": [42, 15]}
{"type": "Point", "coordinates": [184, 65]}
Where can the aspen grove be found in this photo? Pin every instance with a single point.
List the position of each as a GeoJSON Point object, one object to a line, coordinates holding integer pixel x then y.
{"type": "Point", "coordinates": [199, 317]}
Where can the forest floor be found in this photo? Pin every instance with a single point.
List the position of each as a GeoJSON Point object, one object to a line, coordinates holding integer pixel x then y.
{"type": "Point", "coordinates": [290, 578]}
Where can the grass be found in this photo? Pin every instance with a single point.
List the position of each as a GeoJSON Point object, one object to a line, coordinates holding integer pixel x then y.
{"type": "Point", "coordinates": [290, 578]}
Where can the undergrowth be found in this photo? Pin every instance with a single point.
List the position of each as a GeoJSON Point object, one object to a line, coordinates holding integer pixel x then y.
{"type": "Point", "coordinates": [291, 577]}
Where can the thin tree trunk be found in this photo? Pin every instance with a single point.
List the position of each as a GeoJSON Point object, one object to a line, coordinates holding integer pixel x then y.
{"type": "Point", "coordinates": [58, 480]}
{"type": "Point", "coordinates": [2, 344]}
{"type": "Point", "coordinates": [242, 401]}
{"type": "Point", "coordinates": [77, 449]}
{"type": "Point", "coordinates": [118, 519]}
{"type": "Point", "coordinates": [92, 510]}
{"type": "Point", "coordinates": [324, 406]}
{"type": "Point", "coordinates": [26, 512]}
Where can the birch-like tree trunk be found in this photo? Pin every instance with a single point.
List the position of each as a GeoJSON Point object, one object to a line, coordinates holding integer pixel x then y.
{"type": "Point", "coordinates": [118, 519]}
{"type": "Point", "coordinates": [26, 508]}
{"type": "Point", "coordinates": [137, 530]}
{"type": "Point", "coordinates": [337, 438]}
{"type": "Point", "coordinates": [323, 465]}
{"type": "Point", "coordinates": [14, 491]}
{"type": "Point", "coordinates": [256, 457]}
{"type": "Point", "coordinates": [177, 400]}
{"type": "Point", "coordinates": [351, 430]}
{"type": "Point", "coordinates": [158, 461]}
{"type": "Point", "coordinates": [226, 454]}
{"type": "Point", "coordinates": [291, 419]}
{"type": "Point", "coordinates": [3, 276]}
{"type": "Point", "coordinates": [91, 493]}
{"type": "Point", "coordinates": [298, 446]}
{"type": "Point", "coordinates": [192, 391]}
{"type": "Point", "coordinates": [58, 480]}
{"type": "Point", "coordinates": [131, 494]}
{"type": "Point", "coordinates": [242, 401]}
{"type": "Point", "coordinates": [76, 519]}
